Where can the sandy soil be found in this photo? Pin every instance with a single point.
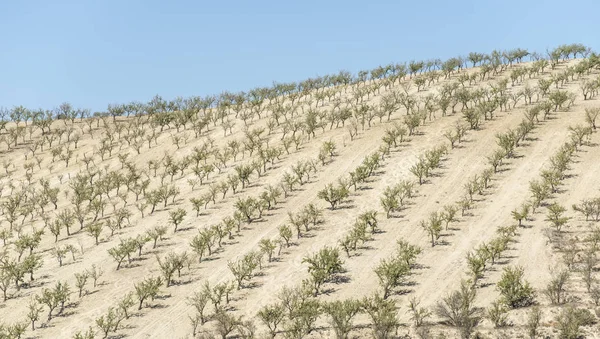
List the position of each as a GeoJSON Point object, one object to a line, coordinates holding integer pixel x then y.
{"type": "Point", "coordinates": [441, 268]}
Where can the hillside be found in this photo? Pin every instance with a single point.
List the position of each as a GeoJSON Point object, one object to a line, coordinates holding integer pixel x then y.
{"type": "Point", "coordinates": [194, 190]}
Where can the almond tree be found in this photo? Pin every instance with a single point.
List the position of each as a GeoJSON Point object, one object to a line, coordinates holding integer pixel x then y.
{"type": "Point", "coordinates": [515, 291]}
{"type": "Point", "coordinates": [81, 280]}
{"type": "Point", "coordinates": [555, 216]}
{"type": "Point", "coordinates": [95, 273]}
{"type": "Point", "coordinates": [341, 314]}
{"type": "Point", "coordinates": [202, 242]}
{"type": "Point", "coordinates": [322, 266]}
{"type": "Point", "coordinates": [382, 314]}
{"type": "Point", "coordinates": [148, 288]}
{"type": "Point", "coordinates": [334, 195]}
{"type": "Point", "coordinates": [521, 213]}
{"type": "Point", "coordinates": [457, 309]}
{"type": "Point", "coordinates": [156, 233]}
{"type": "Point", "coordinates": [95, 229]}
{"type": "Point", "coordinates": [271, 316]}
{"type": "Point", "coordinates": [449, 214]}
{"type": "Point", "coordinates": [5, 281]}
{"type": "Point", "coordinates": [591, 114]}
{"type": "Point", "coordinates": [391, 273]}
{"type": "Point", "coordinates": [285, 233]}
{"type": "Point", "coordinates": [243, 269]}
{"type": "Point", "coordinates": [433, 227]}
{"type": "Point", "coordinates": [122, 251]}
{"type": "Point", "coordinates": [176, 217]}
{"type": "Point", "coordinates": [199, 300]}
{"type": "Point", "coordinates": [33, 313]}
{"type": "Point", "coordinates": [267, 246]}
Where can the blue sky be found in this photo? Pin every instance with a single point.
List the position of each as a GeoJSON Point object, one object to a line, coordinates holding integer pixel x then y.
{"type": "Point", "coordinates": [92, 53]}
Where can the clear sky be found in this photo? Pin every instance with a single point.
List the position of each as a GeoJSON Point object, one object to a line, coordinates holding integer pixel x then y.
{"type": "Point", "coordinates": [92, 53]}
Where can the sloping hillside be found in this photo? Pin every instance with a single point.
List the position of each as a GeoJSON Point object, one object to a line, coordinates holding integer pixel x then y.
{"type": "Point", "coordinates": [381, 190]}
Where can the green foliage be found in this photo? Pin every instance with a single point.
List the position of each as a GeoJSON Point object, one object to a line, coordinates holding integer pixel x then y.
{"type": "Point", "coordinates": [148, 288]}
{"type": "Point", "coordinates": [433, 227]}
{"type": "Point", "coordinates": [176, 217]}
{"type": "Point", "coordinates": [341, 313]}
{"type": "Point", "coordinates": [391, 273]}
{"type": "Point", "coordinates": [243, 269]}
{"type": "Point", "coordinates": [271, 316]}
{"type": "Point", "coordinates": [334, 195]}
{"type": "Point", "coordinates": [570, 320]}
{"type": "Point", "coordinates": [458, 309]}
{"type": "Point", "coordinates": [54, 297]}
{"type": "Point", "coordinates": [322, 266]}
{"type": "Point", "coordinates": [497, 313]}
{"type": "Point", "coordinates": [123, 250]}
{"type": "Point", "coordinates": [514, 290]}
{"type": "Point", "coordinates": [382, 313]}
{"type": "Point", "coordinates": [556, 287]}
{"type": "Point", "coordinates": [418, 314]}
{"type": "Point", "coordinates": [555, 216]}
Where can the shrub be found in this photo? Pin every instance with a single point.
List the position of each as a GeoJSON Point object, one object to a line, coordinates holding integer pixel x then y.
{"type": "Point", "coordinates": [322, 266]}
{"type": "Point", "coordinates": [458, 309]}
{"type": "Point", "coordinates": [418, 314]}
{"type": "Point", "coordinates": [271, 316]}
{"type": "Point", "coordinates": [148, 288]}
{"type": "Point", "coordinates": [514, 290]}
{"type": "Point", "coordinates": [497, 314]}
{"type": "Point", "coordinates": [382, 313]}
{"type": "Point", "coordinates": [334, 195]}
{"type": "Point", "coordinates": [570, 320]}
{"type": "Point", "coordinates": [391, 273]}
{"type": "Point", "coordinates": [341, 313]}
{"type": "Point", "coordinates": [176, 217]}
{"type": "Point", "coordinates": [556, 288]}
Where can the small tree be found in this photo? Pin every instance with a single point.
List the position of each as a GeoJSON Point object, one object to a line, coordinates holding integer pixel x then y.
{"type": "Point", "coordinates": [107, 322]}
{"type": "Point", "coordinates": [158, 232]}
{"type": "Point", "coordinates": [48, 298]}
{"type": "Point", "coordinates": [148, 288]}
{"type": "Point", "coordinates": [199, 301]}
{"type": "Point", "coordinates": [382, 313]}
{"type": "Point", "coordinates": [322, 266]}
{"type": "Point", "coordinates": [122, 251]}
{"type": "Point", "coordinates": [243, 269]}
{"type": "Point", "coordinates": [449, 214]}
{"type": "Point", "coordinates": [81, 280]}
{"type": "Point", "coordinates": [570, 320]}
{"type": "Point", "coordinates": [95, 229]}
{"type": "Point", "coordinates": [458, 309]}
{"type": "Point", "coordinates": [89, 334]}
{"type": "Point", "coordinates": [271, 316]}
{"type": "Point", "coordinates": [391, 273]}
{"type": "Point", "coordinates": [341, 314]}
{"type": "Point", "coordinates": [176, 217]}
{"type": "Point", "coordinates": [285, 232]}
{"type": "Point", "coordinates": [533, 322]}
{"type": "Point", "coordinates": [556, 288]}
{"type": "Point", "coordinates": [334, 195]}
{"type": "Point", "coordinates": [497, 313]}
{"type": "Point", "coordinates": [267, 246]}
{"type": "Point", "coordinates": [555, 216]}
{"type": "Point", "coordinates": [33, 313]}
{"type": "Point", "coordinates": [514, 290]}
{"type": "Point", "coordinates": [226, 323]}
{"type": "Point", "coordinates": [125, 304]}
{"type": "Point", "coordinates": [433, 227]}
{"type": "Point", "coordinates": [521, 213]}
{"type": "Point", "coordinates": [418, 314]}
{"type": "Point", "coordinates": [95, 273]}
